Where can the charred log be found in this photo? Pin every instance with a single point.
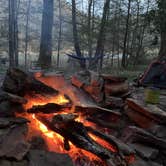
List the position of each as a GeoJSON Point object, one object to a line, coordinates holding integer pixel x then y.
{"type": "Point", "coordinates": [48, 108]}
{"type": "Point", "coordinates": [76, 133]}
{"type": "Point", "coordinates": [118, 144]}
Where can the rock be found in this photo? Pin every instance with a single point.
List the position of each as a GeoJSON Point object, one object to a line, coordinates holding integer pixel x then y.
{"type": "Point", "coordinates": [20, 163]}
{"type": "Point", "coordinates": [139, 162]}
{"type": "Point", "coordinates": [12, 142]}
{"type": "Point", "coordinates": [5, 163]}
{"type": "Point", "coordinates": [6, 109]}
{"type": "Point", "coordinates": [159, 131]}
{"type": "Point", "coordinates": [38, 142]}
{"type": "Point", "coordinates": [151, 163]}
{"type": "Point", "coordinates": [44, 158]}
{"type": "Point", "coordinates": [7, 122]}
{"type": "Point", "coordinates": [145, 152]}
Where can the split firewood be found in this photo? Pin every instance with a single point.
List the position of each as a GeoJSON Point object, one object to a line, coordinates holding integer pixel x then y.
{"type": "Point", "coordinates": [76, 133]}
{"type": "Point", "coordinates": [49, 108]}
{"type": "Point", "coordinates": [18, 82]}
{"type": "Point", "coordinates": [11, 97]}
{"type": "Point", "coordinates": [118, 144]}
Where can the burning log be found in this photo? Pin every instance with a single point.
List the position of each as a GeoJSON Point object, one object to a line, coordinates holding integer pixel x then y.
{"type": "Point", "coordinates": [76, 133]}
{"type": "Point", "coordinates": [18, 82]}
{"type": "Point", "coordinates": [48, 108]}
{"type": "Point", "coordinates": [121, 147]}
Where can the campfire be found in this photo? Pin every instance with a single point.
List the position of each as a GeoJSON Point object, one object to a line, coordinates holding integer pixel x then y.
{"type": "Point", "coordinates": [53, 116]}
{"type": "Point", "coordinates": [57, 117]}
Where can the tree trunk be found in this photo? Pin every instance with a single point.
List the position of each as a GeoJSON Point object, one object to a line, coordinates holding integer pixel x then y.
{"type": "Point", "coordinates": [17, 6]}
{"type": "Point", "coordinates": [162, 22]}
{"type": "Point", "coordinates": [75, 35]}
{"type": "Point", "coordinates": [46, 35]}
{"type": "Point", "coordinates": [60, 32]}
{"type": "Point", "coordinates": [13, 34]}
{"type": "Point", "coordinates": [101, 35]}
{"type": "Point", "coordinates": [162, 52]}
{"type": "Point", "coordinates": [126, 35]}
{"type": "Point", "coordinates": [27, 32]}
{"type": "Point", "coordinates": [89, 28]}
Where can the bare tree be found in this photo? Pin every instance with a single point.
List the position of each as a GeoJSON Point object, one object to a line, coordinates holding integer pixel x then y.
{"type": "Point", "coordinates": [46, 35]}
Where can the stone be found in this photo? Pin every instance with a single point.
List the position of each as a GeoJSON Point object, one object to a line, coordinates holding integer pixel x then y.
{"type": "Point", "coordinates": [5, 163]}
{"type": "Point", "coordinates": [44, 158]}
{"type": "Point", "coordinates": [13, 143]}
{"type": "Point", "coordinates": [20, 163]}
{"type": "Point", "coordinates": [144, 151]}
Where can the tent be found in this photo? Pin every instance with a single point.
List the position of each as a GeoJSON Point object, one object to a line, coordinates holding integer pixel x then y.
{"type": "Point", "coordinates": [155, 75]}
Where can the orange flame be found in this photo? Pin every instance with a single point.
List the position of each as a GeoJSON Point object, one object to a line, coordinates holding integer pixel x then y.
{"type": "Point", "coordinates": [40, 100]}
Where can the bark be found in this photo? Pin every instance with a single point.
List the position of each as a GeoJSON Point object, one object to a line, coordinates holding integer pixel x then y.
{"type": "Point", "coordinates": [75, 34]}
{"type": "Point", "coordinates": [126, 35]}
{"type": "Point", "coordinates": [46, 35]}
